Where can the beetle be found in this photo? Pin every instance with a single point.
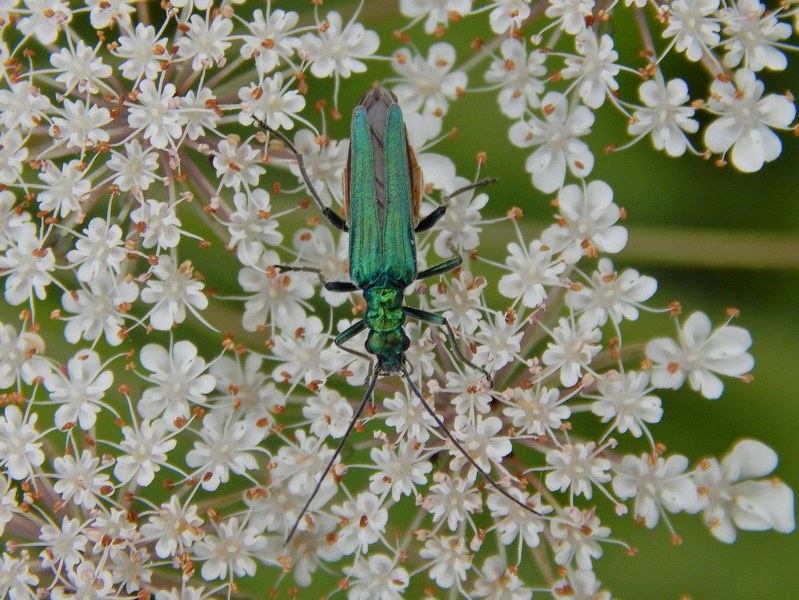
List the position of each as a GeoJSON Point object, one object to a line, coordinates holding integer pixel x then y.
{"type": "Point", "coordinates": [382, 191]}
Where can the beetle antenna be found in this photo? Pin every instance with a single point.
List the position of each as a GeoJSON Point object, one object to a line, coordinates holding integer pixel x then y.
{"type": "Point", "coordinates": [374, 372]}
{"type": "Point", "coordinates": [485, 182]}
{"type": "Point", "coordinates": [442, 426]}
{"type": "Point", "coordinates": [331, 216]}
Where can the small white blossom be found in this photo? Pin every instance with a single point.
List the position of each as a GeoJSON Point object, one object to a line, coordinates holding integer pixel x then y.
{"type": "Point", "coordinates": [595, 68]}
{"type": "Point", "coordinates": [573, 347]}
{"type": "Point", "coordinates": [174, 527]}
{"type": "Point", "coordinates": [586, 223]}
{"type": "Point", "coordinates": [80, 67]}
{"type": "Point", "coordinates": [24, 106]}
{"type": "Point", "coordinates": [330, 414]}
{"type": "Point", "coordinates": [438, 12]}
{"type": "Point", "coordinates": [20, 448]}
{"type": "Point", "coordinates": [556, 136]}
{"type": "Point", "coordinates": [509, 14]}
{"type": "Point", "coordinates": [657, 484]}
{"type": "Point", "coordinates": [226, 445]}
{"type": "Point", "coordinates": [27, 267]}
{"type": "Point", "coordinates": [521, 76]}
{"type": "Point", "coordinates": [611, 295]}
{"type": "Point", "coordinates": [141, 51]}
{"type": "Point", "coordinates": [513, 521]}
{"type": "Point", "coordinates": [376, 577]}
{"type": "Point", "coordinates": [480, 437]}
{"type": "Point", "coordinates": [531, 269]}
{"type": "Point", "coordinates": [20, 358]}
{"type": "Point", "coordinates": [576, 467]}
{"type": "Point", "coordinates": [80, 480]}
{"type": "Point", "coordinates": [745, 121]}
{"type": "Point", "coordinates": [731, 498]}
{"type": "Point", "coordinates": [45, 19]}
{"type": "Point", "coordinates": [271, 102]}
{"type": "Point", "coordinates": [179, 379]}
{"type": "Point", "coordinates": [700, 354]}
{"type": "Point", "coordinates": [98, 309]}
{"type": "Point", "coordinates": [64, 545]}
{"type": "Point", "coordinates": [449, 559]}
{"type": "Point", "coordinates": [158, 224]}
{"type": "Point", "coordinates": [82, 125]}
{"type": "Point", "coordinates": [664, 116]}
{"type": "Point", "coordinates": [156, 114]}
{"type": "Point", "coordinates": [753, 37]}
{"type": "Point", "coordinates": [229, 550]}
{"type": "Point", "coordinates": [454, 499]}
{"type": "Point", "coordinates": [338, 50]}
{"type": "Point", "coordinates": [499, 341]}
{"type": "Point", "coordinates": [625, 400]}
{"type": "Point", "coordinates": [399, 469]}
{"type": "Point", "coordinates": [145, 449]}
{"type": "Point", "coordinates": [172, 290]}
{"type": "Point", "coordinates": [498, 581]}
{"type": "Point", "coordinates": [428, 85]}
{"type": "Point", "coordinates": [536, 412]}
{"type": "Point", "coordinates": [570, 14]}
{"type": "Point", "coordinates": [576, 537]}
{"type": "Point", "coordinates": [299, 353]}
{"type": "Point", "coordinates": [80, 391]}
{"type": "Point", "coordinates": [236, 164]}
{"type": "Point", "coordinates": [459, 301]}
{"type": "Point", "coordinates": [64, 189]}
{"type": "Point", "coordinates": [365, 521]}
{"type": "Point", "coordinates": [205, 43]}
{"type": "Point", "coordinates": [693, 26]}
{"type": "Point", "coordinates": [270, 40]}
{"type": "Point", "coordinates": [100, 249]}
{"type": "Point", "coordinates": [136, 168]}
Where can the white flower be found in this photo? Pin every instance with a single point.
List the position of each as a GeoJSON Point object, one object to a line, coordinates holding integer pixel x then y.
{"type": "Point", "coordinates": [557, 137]}
{"type": "Point", "coordinates": [104, 13]}
{"type": "Point", "coordinates": [480, 438]}
{"type": "Point", "coordinates": [236, 164]}
{"type": "Point", "coordinates": [64, 188]}
{"type": "Point", "coordinates": [498, 341]}
{"type": "Point", "coordinates": [299, 353]}
{"type": "Point", "coordinates": [64, 546]}
{"type": "Point", "coordinates": [745, 119]}
{"type": "Point", "coordinates": [157, 223]}
{"type": "Point", "coordinates": [14, 224]}
{"type": "Point", "coordinates": [205, 43]}
{"type": "Point", "coordinates": [399, 469]}
{"type": "Point", "coordinates": [82, 125]}
{"type": "Point", "coordinates": [81, 481]}
{"type": "Point", "coordinates": [509, 14]}
{"type": "Point", "coordinates": [454, 499]}
{"type": "Point", "coordinates": [459, 301]}
{"type": "Point", "coordinates": [44, 19]}
{"type": "Point", "coordinates": [571, 14]}
{"type": "Point", "coordinates": [364, 523]}
{"type": "Point", "coordinates": [439, 12]}
{"type": "Point", "coordinates": [625, 399]}
{"type": "Point", "coordinates": [513, 521]}
{"type": "Point", "coordinates": [325, 161]}
{"type": "Point", "coordinates": [270, 101]}
{"type": "Point", "coordinates": [277, 299]}
{"type": "Point", "coordinates": [179, 380]}
{"type": "Point", "coordinates": [376, 577]}
{"type": "Point", "coordinates": [657, 484]}
{"type": "Point", "coordinates": [100, 249]}
{"type": "Point", "coordinates": [23, 105]}
{"type": "Point", "coordinates": [576, 537]}
{"type": "Point", "coordinates": [251, 226]}
{"type": "Point", "coordinates": [694, 29]}
{"type": "Point", "coordinates": [175, 527]}
{"type": "Point", "coordinates": [300, 467]}
{"type": "Point", "coordinates": [531, 269]}
{"type": "Point", "coordinates": [664, 115]}
{"type": "Point", "coordinates": [520, 75]}
{"type": "Point", "coordinates": [20, 450]}
{"type": "Point", "coordinates": [196, 111]}
{"type": "Point", "coordinates": [576, 467]}
{"type": "Point", "coordinates": [428, 85]}
{"type": "Point", "coordinates": [595, 69]}
{"type": "Point", "coordinates": [79, 395]}
{"type": "Point", "coordinates": [156, 114]}
{"type": "Point", "coordinates": [498, 581]}
{"type": "Point", "coordinates": [618, 296]}
{"type": "Point", "coordinates": [231, 550]}
{"type": "Point", "coordinates": [586, 223]}
{"type": "Point", "coordinates": [699, 355]}
{"type": "Point", "coordinates": [536, 412]}
{"type": "Point", "coordinates": [329, 412]}
{"type": "Point", "coordinates": [13, 153]}
{"type": "Point", "coordinates": [80, 67]}
{"type": "Point", "coordinates": [732, 499]}
{"type": "Point", "coordinates": [27, 267]}
{"type": "Point", "coordinates": [226, 444]}
{"type": "Point", "coordinates": [173, 290]}
{"type": "Point", "coordinates": [753, 36]}
{"type": "Point", "coordinates": [270, 39]}
{"type": "Point", "coordinates": [136, 168]}
{"type": "Point", "coordinates": [572, 349]}
{"type": "Point", "coordinates": [142, 52]}
{"type": "Point", "coordinates": [100, 309]}
{"type": "Point", "coordinates": [459, 228]}
{"type": "Point", "coordinates": [449, 559]}
{"type": "Point", "coordinates": [408, 417]}
{"type": "Point", "coordinates": [582, 584]}
{"type": "Point", "coordinates": [145, 449]}
{"type": "Point", "coordinates": [20, 358]}
{"type": "Point", "coordinates": [338, 51]}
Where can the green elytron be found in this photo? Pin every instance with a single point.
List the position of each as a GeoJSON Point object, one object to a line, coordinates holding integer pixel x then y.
{"type": "Point", "coordinates": [382, 189]}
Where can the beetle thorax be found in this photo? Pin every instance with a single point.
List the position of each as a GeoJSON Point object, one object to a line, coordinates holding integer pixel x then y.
{"type": "Point", "coordinates": [385, 318]}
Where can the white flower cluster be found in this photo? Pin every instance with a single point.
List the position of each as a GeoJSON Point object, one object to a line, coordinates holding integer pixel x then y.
{"type": "Point", "coordinates": [133, 184]}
